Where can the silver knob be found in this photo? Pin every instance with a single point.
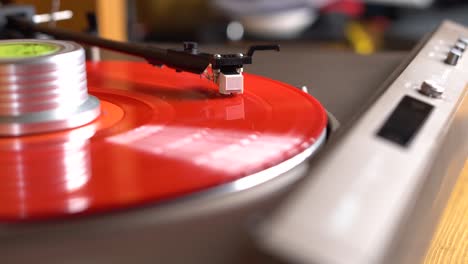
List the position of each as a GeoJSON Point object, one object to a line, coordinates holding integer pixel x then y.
{"type": "Point", "coordinates": [429, 88]}
{"type": "Point", "coordinates": [461, 46]}
{"type": "Point", "coordinates": [453, 57]}
{"type": "Point", "coordinates": [463, 40]}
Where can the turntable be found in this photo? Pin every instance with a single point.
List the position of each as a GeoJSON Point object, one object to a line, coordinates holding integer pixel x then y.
{"type": "Point", "coordinates": [201, 161]}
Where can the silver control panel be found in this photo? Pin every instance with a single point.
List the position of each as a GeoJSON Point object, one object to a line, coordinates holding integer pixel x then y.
{"type": "Point", "coordinates": [366, 189]}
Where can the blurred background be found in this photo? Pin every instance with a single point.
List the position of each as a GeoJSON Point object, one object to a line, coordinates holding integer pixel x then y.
{"type": "Point", "coordinates": [363, 26]}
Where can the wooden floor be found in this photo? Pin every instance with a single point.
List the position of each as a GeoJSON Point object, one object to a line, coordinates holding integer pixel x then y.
{"type": "Point", "coordinates": [450, 242]}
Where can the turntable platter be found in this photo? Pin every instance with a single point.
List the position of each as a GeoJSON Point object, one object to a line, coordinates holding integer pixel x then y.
{"type": "Point", "coordinates": [161, 135]}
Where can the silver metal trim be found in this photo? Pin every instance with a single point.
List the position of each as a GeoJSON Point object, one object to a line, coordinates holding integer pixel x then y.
{"type": "Point", "coordinates": [51, 120]}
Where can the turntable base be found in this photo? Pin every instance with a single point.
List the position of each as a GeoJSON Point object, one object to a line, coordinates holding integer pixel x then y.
{"type": "Point", "coordinates": [213, 228]}
{"type": "Point", "coordinates": [206, 223]}
{"type": "Point", "coordinates": [403, 240]}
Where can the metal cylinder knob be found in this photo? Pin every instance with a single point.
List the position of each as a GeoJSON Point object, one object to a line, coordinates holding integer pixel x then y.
{"type": "Point", "coordinates": [191, 46]}
{"type": "Point", "coordinates": [431, 89]}
{"type": "Point", "coordinates": [43, 87]}
{"type": "Point", "coordinates": [453, 56]}
{"type": "Point", "coordinates": [461, 46]}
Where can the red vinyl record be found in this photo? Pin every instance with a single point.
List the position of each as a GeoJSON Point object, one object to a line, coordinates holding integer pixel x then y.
{"type": "Point", "coordinates": [161, 135]}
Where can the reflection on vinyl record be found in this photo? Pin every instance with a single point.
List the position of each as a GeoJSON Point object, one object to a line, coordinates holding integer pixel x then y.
{"type": "Point", "coordinates": [161, 135]}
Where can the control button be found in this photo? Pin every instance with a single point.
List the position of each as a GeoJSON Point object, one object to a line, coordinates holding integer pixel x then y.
{"type": "Point", "coordinates": [429, 88]}
{"type": "Point", "coordinates": [463, 40]}
{"type": "Point", "coordinates": [461, 46]}
{"type": "Point", "coordinates": [453, 57]}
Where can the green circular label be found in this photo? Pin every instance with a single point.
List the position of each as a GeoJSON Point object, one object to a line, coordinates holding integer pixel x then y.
{"type": "Point", "coordinates": [20, 50]}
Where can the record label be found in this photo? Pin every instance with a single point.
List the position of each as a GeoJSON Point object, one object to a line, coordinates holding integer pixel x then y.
{"type": "Point", "coordinates": [26, 50]}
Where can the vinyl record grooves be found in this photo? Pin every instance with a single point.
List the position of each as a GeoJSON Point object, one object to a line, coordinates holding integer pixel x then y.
{"type": "Point", "coordinates": [161, 135]}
